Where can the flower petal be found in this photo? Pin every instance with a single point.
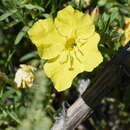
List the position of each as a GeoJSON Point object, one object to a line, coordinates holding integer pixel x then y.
{"type": "Point", "coordinates": [39, 30]}
{"type": "Point", "coordinates": [91, 55]}
{"type": "Point", "coordinates": [67, 20]}
{"type": "Point", "coordinates": [85, 27]}
{"type": "Point", "coordinates": [70, 21]}
{"type": "Point", "coordinates": [61, 75]}
{"type": "Point", "coordinates": [48, 41]}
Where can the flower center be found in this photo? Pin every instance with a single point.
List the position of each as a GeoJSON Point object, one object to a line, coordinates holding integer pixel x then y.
{"type": "Point", "coordinates": [71, 53]}
{"type": "Point", "coordinates": [70, 44]}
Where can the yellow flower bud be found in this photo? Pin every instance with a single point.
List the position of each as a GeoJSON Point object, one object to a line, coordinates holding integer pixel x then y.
{"type": "Point", "coordinates": [95, 15]}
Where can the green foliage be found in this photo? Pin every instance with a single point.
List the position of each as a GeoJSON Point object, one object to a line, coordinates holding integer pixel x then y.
{"type": "Point", "coordinates": [35, 108]}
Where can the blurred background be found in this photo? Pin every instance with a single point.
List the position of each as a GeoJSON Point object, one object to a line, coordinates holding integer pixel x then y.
{"type": "Point", "coordinates": [35, 108]}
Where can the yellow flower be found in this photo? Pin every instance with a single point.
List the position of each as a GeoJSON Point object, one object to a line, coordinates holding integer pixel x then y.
{"type": "Point", "coordinates": [24, 76]}
{"type": "Point", "coordinates": [69, 42]}
{"type": "Point", "coordinates": [126, 32]}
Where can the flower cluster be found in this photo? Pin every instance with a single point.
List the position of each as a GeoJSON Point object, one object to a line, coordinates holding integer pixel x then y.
{"type": "Point", "coordinates": [69, 43]}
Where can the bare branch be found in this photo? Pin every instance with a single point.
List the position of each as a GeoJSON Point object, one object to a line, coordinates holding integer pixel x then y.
{"type": "Point", "coordinates": [74, 116]}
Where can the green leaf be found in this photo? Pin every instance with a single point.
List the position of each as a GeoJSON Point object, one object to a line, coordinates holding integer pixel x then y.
{"type": "Point", "coordinates": [11, 24]}
{"type": "Point", "coordinates": [28, 56]}
{"type": "Point", "coordinates": [31, 7]}
{"type": "Point", "coordinates": [21, 34]}
{"type": "Point", "coordinates": [102, 3]}
{"type": "Point", "coordinates": [14, 116]}
{"type": "Point", "coordinates": [7, 14]}
{"type": "Point", "coordinates": [113, 16]}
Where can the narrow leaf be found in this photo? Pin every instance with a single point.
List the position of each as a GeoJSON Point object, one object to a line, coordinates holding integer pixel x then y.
{"type": "Point", "coordinates": [7, 14]}
{"type": "Point", "coordinates": [21, 34]}
{"type": "Point", "coordinates": [28, 56]}
{"type": "Point", "coordinates": [30, 7]}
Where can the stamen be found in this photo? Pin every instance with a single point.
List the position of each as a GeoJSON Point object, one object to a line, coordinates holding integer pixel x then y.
{"type": "Point", "coordinates": [64, 57]}
{"type": "Point", "coordinates": [82, 42]}
{"type": "Point", "coordinates": [76, 55]}
{"type": "Point", "coordinates": [71, 61]}
{"type": "Point", "coordinates": [80, 51]}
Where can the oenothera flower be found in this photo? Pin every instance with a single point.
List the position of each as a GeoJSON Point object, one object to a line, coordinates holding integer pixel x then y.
{"type": "Point", "coordinates": [69, 42]}
{"type": "Point", "coordinates": [24, 76]}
